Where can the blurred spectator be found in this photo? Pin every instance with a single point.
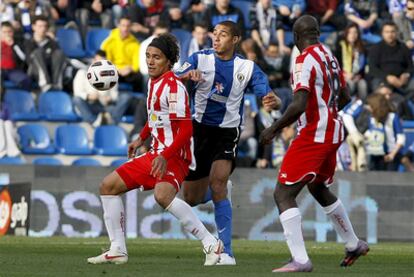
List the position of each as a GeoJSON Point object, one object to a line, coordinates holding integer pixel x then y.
{"type": "Point", "coordinates": [122, 49]}
{"type": "Point", "coordinates": [324, 11]}
{"type": "Point", "coordinates": [6, 12]}
{"type": "Point", "coordinates": [99, 9]}
{"type": "Point", "coordinates": [176, 17]}
{"type": "Point", "coordinates": [390, 61]}
{"type": "Point", "coordinates": [248, 141]}
{"type": "Point", "coordinates": [267, 26]}
{"type": "Point", "coordinates": [252, 51]}
{"type": "Point", "coordinates": [356, 116]}
{"type": "Point", "coordinates": [279, 66]}
{"type": "Point", "coordinates": [384, 137]}
{"type": "Point", "coordinates": [45, 59]}
{"type": "Point", "coordinates": [98, 107]}
{"type": "Point", "coordinates": [195, 9]}
{"type": "Point", "coordinates": [281, 144]}
{"type": "Point", "coordinates": [144, 18]}
{"type": "Point", "coordinates": [362, 12]}
{"type": "Point", "coordinates": [290, 10]}
{"type": "Point", "coordinates": [221, 11]}
{"type": "Point", "coordinates": [200, 39]}
{"type": "Point", "coordinates": [8, 136]}
{"type": "Point", "coordinates": [343, 157]}
{"type": "Point", "coordinates": [396, 8]}
{"type": "Point", "coordinates": [63, 10]}
{"type": "Point", "coordinates": [25, 13]}
{"type": "Point", "coordinates": [12, 60]}
{"type": "Point", "coordinates": [405, 24]}
{"type": "Point", "coordinates": [352, 57]}
{"type": "Point", "coordinates": [408, 159]}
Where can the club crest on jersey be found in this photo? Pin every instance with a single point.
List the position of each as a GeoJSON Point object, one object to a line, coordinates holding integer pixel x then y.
{"type": "Point", "coordinates": [240, 77]}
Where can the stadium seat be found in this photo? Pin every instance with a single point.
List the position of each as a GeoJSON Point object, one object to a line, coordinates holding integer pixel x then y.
{"type": "Point", "coordinates": [47, 161]}
{"type": "Point", "coordinates": [110, 140]}
{"type": "Point", "coordinates": [125, 86]}
{"type": "Point", "coordinates": [408, 127]}
{"type": "Point", "coordinates": [21, 105]}
{"type": "Point", "coordinates": [72, 140]}
{"type": "Point", "coordinates": [70, 41]}
{"type": "Point", "coordinates": [57, 106]}
{"type": "Point", "coordinates": [86, 162]}
{"type": "Point", "coordinates": [34, 139]}
{"type": "Point", "coordinates": [9, 84]}
{"type": "Point", "coordinates": [288, 38]}
{"type": "Point", "coordinates": [245, 7]}
{"type": "Point", "coordinates": [12, 160]}
{"type": "Point", "coordinates": [118, 162]}
{"type": "Point", "coordinates": [94, 39]}
{"type": "Point", "coordinates": [184, 37]}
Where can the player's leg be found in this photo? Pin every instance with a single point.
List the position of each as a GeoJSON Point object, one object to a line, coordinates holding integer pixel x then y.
{"type": "Point", "coordinates": [165, 195]}
{"type": "Point", "coordinates": [196, 191]}
{"type": "Point", "coordinates": [111, 189]}
{"type": "Point", "coordinates": [291, 220]}
{"type": "Point", "coordinates": [219, 175]}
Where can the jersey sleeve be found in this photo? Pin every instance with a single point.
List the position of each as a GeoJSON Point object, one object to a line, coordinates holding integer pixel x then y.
{"type": "Point", "coordinates": [259, 83]}
{"type": "Point", "coordinates": [178, 103]}
{"type": "Point", "coordinates": [189, 64]}
{"type": "Point", "coordinates": [302, 72]}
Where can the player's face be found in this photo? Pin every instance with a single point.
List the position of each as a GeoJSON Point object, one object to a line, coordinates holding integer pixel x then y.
{"type": "Point", "coordinates": [223, 40]}
{"type": "Point", "coordinates": [157, 62]}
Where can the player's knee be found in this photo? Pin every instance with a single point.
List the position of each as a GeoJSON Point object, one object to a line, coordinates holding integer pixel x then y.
{"type": "Point", "coordinates": [108, 187]}
{"type": "Point", "coordinates": [162, 197]}
{"type": "Point", "coordinates": [191, 199]}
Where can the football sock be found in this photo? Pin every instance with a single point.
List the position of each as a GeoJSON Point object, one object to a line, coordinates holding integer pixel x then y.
{"type": "Point", "coordinates": [185, 214]}
{"type": "Point", "coordinates": [114, 217]}
{"type": "Point", "coordinates": [223, 217]}
{"type": "Point", "coordinates": [292, 227]}
{"type": "Point", "coordinates": [342, 224]}
{"type": "Point", "coordinates": [208, 196]}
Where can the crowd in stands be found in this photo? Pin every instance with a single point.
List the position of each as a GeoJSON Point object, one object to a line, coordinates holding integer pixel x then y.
{"type": "Point", "coordinates": [372, 39]}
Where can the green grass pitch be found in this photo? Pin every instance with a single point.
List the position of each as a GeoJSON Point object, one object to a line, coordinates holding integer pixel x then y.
{"type": "Point", "coordinates": [58, 256]}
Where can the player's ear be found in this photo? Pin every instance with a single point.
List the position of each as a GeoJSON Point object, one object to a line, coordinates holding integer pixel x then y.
{"type": "Point", "coordinates": [236, 39]}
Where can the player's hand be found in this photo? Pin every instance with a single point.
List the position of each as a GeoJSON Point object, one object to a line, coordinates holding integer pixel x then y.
{"type": "Point", "coordinates": [271, 101]}
{"type": "Point", "coordinates": [159, 167]}
{"type": "Point", "coordinates": [194, 75]}
{"type": "Point", "coordinates": [266, 137]}
{"type": "Point", "coordinates": [134, 146]}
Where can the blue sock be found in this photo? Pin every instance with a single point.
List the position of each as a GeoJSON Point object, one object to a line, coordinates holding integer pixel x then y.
{"type": "Point", "coordinates": [223, 217]}
{"type": "Point", "coordinates": [208, 196]}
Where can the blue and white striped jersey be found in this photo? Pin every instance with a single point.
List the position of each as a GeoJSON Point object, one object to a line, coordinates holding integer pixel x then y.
{"type": "Point", "coordinates": [219, 100]}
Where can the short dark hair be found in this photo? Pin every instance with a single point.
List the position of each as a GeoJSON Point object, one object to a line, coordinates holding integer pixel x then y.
{"type": "Point", "coordinates": [234, 28]}
{"type": "Point", "coordinates": [40, 18]}
{"type": "Point", "coordinates": [168, 44]}
{"type": "Point", "coordinates": [162, 25]}
{"type": "Point", "coordinates": [203, 25]}
{"type": "Point", "coordinates": [7, 24]}
{"type": "Point", "coordinates": [389, 23]}
{"type": "Point", "coordinates": [126, 17]}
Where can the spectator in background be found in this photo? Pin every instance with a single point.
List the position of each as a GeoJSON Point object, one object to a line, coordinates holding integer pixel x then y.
{"type": "Point", "coordinates": [278, 66]}
{"type": "Point", "coordinates": [351, 55]}
{"type": "Point", "coordinates": [267, 26]}
{"type": "Point", "coordinates": [408, 159]}
{"type": "Point", "coordinates": [122, 49]}
{"type": "Point", "coordinates": [281, 144]}
{"type": "Point", "coordinates": [98, 107]}
{"type": "Point", "coordinates": [176, 18]}
{"type": "Point", "coordinates": [100, 9]}
{"type": "Point", "coordinates": [362, 12]}
{"type": "Point", "coordinates": [6, 12]}
{"type": "Point", "coordinates": [290, 10]}
{"type": "Point", "coordinates": [8, 136]}
{"type": "Point", "coordinates": [396, 8]}
{"type": "Point", "coordinates": [324, 12]}
{"type": "Point", "coordinates": [200, 39]}
{"type": "Point", "coordinates": [405, 25]}
{"type": "Point", "coordinates": [194, 9]}
{"type": "Point", "coordinates": [45, 59]}
{"type": "Point", "coordinates": [384, 137]}
{"type": "Point", "coordinates": [144, 18]}
{"type": "Point", "coordinates": [223, 10]}
{"type": "Point", "coordinates": [63, 9]}
{"type": "Point", "coordinates": [252, 51]}
{"type": "Point", "coordinates": [12, 60]}
{"type": "Point", "coordinates": [390, 62]}
{"type": "Point", "coordinates": [248, 141]}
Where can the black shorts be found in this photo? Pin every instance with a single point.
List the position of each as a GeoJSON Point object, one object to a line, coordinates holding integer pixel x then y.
{"type": "Point", "coordinates": [210, 144]}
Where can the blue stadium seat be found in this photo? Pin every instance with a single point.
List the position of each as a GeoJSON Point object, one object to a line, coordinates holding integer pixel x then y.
{"type": "Point", "coordinates": [86, 162]}
{"type": "Point", "coordinates": [47, 161]}
{"type": "Point", "coordinates": [21, 105]}
{"type": "Point", "coordinates": [288, 38]}
{"type": "Point", "coordinates": [12, 160]}
{"type": "Point", "coordinates": [34, 139]}
{"type": "Point", "coordinates": [94, 39]}
{"type": "Point", "coordinates": [57, 106]}
{"type": "Point", "coordinates": [110, 140]}
{"type": "Point", "coordinates": [72, 140]}
{"type": "Point", "coordinates": [119, 162]}
{"type": "Point", "coordinates": [125, 86]}
{"type": "Point", "coordinates": [245, 7]}
{"type": "Point", "coordinates": [408, 127]}
{"type": "Point", "coordinates": [184, 37]}
{"type": "Point", "coordinates": [9, 84]}
{"type": "Point", "coordinates": [70, 41]}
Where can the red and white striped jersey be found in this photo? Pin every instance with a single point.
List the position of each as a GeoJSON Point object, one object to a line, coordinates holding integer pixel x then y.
{"type": "Point", "coordinates": [167, 103]}
{"type": "Point", "coordinates": [317, 71]}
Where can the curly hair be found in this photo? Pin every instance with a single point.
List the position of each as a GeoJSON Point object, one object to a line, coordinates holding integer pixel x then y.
{"type": "Point", "coordinates": [168, 44]}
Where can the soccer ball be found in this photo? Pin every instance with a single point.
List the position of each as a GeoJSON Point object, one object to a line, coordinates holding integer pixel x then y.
{"type": "Point", "coordinates": [102, 75]}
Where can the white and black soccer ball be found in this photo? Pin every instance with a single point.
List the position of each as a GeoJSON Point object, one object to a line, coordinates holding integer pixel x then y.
{"type": "Point", "coordinates": [102, 75]}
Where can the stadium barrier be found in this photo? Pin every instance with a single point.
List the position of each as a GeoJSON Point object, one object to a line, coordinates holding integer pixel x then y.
{"type": "Point", "coordinates": [65, 201]}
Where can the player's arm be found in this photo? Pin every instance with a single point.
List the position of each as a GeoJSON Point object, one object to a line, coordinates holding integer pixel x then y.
{"type": "Point", "coordinates": [259, 84]}
{"type": "Point", "coordinates": [292, 113]}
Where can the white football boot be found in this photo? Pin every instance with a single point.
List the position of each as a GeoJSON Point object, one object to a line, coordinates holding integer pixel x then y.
{"type": "Point", "coordinates": [213, 252]}
{"type": "Point", "coordinates": [109, 257]}
{"type": "Point", "coordinates": [226, 259]}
